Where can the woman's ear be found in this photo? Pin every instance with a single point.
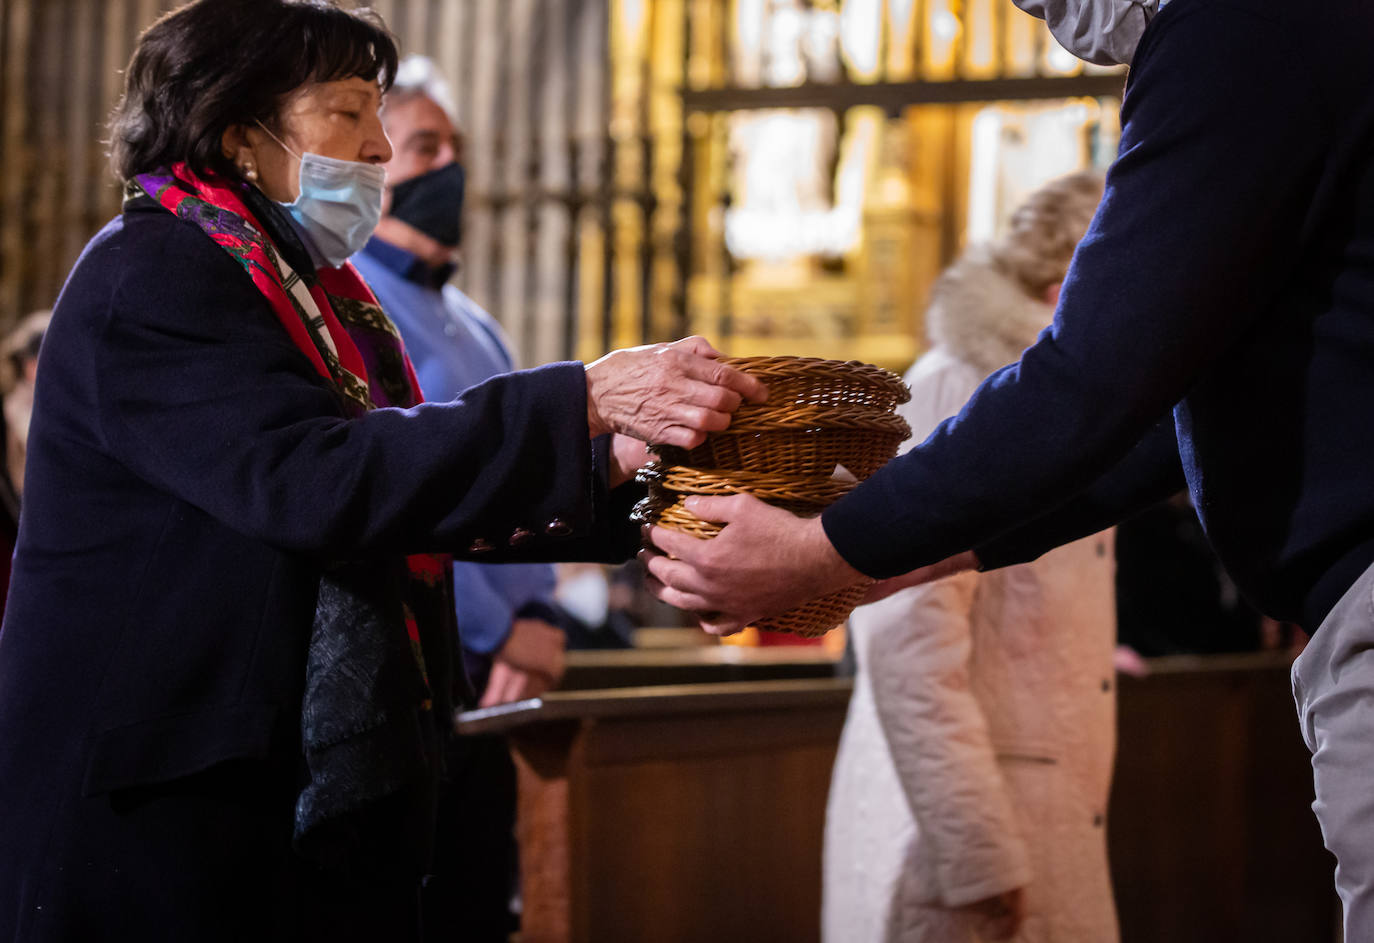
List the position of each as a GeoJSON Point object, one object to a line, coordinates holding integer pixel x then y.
{"type": "Point", "coordinates": [232, 140]}
{"type": "Point", "coordinates": [234, 145]}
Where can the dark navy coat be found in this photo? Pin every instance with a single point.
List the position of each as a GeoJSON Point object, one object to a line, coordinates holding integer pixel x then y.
{"type": "Point", "coordinates": [189, 474]}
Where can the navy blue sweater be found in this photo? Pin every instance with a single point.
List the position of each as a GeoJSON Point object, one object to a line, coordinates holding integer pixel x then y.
{"type": "Point", "coordinates": [1229, 278]}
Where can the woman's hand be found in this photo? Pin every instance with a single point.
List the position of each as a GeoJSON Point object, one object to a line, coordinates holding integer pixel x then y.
{"type": "Point", "coordinates": [628, 455]}
{"type": "Point", "coordinates": [528, 664]}
{"type": "Point", "coordinates": [666, 394]}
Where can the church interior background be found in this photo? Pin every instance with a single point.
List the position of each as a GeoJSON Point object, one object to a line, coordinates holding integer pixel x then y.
{"type": "Point", "coordinates": [782, 176]}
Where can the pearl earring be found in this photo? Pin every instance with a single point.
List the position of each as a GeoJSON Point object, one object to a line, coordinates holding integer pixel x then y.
{"type": "Point", "coordinates": [250, 173]}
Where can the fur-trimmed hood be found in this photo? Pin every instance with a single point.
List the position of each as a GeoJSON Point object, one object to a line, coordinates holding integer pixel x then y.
{"type": "Point", "coordinates": [983, 316]}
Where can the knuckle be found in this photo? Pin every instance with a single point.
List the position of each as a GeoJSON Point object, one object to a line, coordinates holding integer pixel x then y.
{"type": "Point", "coordinates": [726, 400]}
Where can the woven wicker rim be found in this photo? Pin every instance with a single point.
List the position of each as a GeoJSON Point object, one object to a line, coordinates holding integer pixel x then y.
{"type": "Point", "coordinates": [847, 417]}
{"type": "Point", "coordinates": [773, 369]}
{"type": "Point", "coordinates": [683, 479]}
{"type": "Point", "coordinates": [676, 517]}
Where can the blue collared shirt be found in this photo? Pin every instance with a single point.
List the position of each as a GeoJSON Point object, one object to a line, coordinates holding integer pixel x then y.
{"type": "Point", "coordinates": [454, 345]}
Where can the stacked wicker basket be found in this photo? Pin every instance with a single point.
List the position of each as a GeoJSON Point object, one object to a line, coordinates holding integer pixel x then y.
{"type": "Point", "coordinates": [827, 425]}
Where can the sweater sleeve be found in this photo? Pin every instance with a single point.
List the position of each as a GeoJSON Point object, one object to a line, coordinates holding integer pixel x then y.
{"type": "Point", "coordinates": [1149, 473]}
{"type": "Point", "coordinates": [1222, 147]}
{"type": "Point", "coordinates": [201, 394]}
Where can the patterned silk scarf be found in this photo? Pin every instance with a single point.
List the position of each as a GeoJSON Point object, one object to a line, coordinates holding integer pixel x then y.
{"type": "Point", "coordinates": [349, 727]}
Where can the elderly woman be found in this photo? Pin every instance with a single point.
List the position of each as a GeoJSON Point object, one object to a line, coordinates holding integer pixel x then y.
{"type": "Point", "coordinates": [971, 781]}
{"type": "Point", "coordinates": [227, 664]}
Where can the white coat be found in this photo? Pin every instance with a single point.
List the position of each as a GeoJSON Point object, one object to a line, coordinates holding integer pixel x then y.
{"type": "Point", "coordinates": [977, 753]}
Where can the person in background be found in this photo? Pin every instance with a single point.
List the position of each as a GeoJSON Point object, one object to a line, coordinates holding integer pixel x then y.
{"type": "Point", "coordinates": [1173, 597]}
{"type": "Point", "coordinates": [512, 639]}
{"type": "Point", "coordinates": [18, 371]}
{"type": "Point", "coordinates": [970, 786]}
{"type": "Point", "coordinates": [598, 599]}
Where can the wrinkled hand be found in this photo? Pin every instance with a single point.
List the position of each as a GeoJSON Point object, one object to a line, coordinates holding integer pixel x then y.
{"type": "Point", "coordinates": [530, 663]}
{"type": "Point", "coordinates": [765, 561]}
{"type": "Point", "coordinates": [1000, 916]}
{"type": "Point", "coordinates": [958, 563]}
{"type": "Point", "coordinates": [666, 394]}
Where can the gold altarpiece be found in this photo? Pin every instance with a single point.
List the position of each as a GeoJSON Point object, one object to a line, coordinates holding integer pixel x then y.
{"type": "Point", "coordinates": [791, 175]}
{"type": "Point", "coordinates": [780, 175]}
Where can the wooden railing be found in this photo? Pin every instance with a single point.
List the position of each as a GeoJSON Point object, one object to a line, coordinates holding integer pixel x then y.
{"type": "Point", "coordinates": [694, 812]}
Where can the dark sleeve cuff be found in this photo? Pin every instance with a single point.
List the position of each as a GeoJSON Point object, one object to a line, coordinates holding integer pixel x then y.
{"type": "Point", "coordinates": [618, 535]}
{"type": "Point", "coordinates": [865, 526]}
{"type": "Point", "coordinates": [862, 537]}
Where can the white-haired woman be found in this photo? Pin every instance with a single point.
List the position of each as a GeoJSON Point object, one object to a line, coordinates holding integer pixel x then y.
{"type": "Point", "coordinates": [969, 794]}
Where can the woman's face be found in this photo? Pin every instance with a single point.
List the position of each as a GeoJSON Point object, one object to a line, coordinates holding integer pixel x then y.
{"type": "Point", "coordinates": [333, 119]}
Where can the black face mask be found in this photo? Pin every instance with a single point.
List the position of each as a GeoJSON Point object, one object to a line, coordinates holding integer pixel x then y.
{"type": "Point", "coordinates": [432, 203]}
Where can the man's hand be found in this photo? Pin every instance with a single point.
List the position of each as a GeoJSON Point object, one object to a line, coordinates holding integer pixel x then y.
{"type": "Point", "coordinates": [1000, 916]}
{"type": "Point", "coordinates": [765, 561]}
{"type": "Point", "coordinates": [530, 663]}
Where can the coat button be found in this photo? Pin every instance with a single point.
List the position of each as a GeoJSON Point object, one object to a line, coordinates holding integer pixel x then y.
{"type": "Point", "coordinates": [558, 528]}
{"type": "Point", "coordinates": [481, 545]}
{"type": "Point", "coordinates": [519, 536]}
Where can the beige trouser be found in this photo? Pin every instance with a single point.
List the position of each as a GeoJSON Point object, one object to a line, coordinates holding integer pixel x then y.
{"type": "Point", "coordinates": [1333, 684]}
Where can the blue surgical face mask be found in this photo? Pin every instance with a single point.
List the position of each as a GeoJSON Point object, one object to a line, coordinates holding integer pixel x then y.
{"type": "Point", "coordinates": [339, 205]}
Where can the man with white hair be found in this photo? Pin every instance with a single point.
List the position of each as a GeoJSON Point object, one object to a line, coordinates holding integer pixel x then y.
{"type": "Point", "coordinates": [512, 645]}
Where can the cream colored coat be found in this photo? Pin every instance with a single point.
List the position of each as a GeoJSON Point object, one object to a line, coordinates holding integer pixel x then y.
{"type": "Point", "coordinates": [977, 753]}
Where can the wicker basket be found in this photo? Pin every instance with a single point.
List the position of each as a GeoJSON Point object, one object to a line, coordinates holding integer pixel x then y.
{"type": "Point", "coordinates": [826, 426]}
{"type": "Point", "coordinates": [860, 450]}
{"type": "Point", "coordinates": [820, 414]}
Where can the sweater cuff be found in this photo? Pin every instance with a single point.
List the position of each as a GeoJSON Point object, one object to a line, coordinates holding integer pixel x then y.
{"type": "Point", "coordinates": [873, 544]}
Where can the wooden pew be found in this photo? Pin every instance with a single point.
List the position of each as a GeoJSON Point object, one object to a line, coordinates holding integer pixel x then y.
{"type": "Point", "coordinates": [672, 813]}
{"type": "Point", "coordinates": [1210, 830]}
{"type": "Point", "coordinates": [695, 812]}
{"type": "Point", "coordinates": [711, 664]}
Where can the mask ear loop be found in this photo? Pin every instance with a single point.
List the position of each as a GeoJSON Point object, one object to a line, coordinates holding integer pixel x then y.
{"type": "Point", "coordinates": [280, 142]}
{"type": "Point", "coordinates": [300, 161]}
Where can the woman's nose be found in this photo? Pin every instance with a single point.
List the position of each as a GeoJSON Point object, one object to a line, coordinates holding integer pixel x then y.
{"type": "Point", "coordinates": [377, 147]}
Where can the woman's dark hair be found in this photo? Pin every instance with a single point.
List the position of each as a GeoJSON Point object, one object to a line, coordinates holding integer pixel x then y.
{"type": "Point", "coordinates": [215, 63]}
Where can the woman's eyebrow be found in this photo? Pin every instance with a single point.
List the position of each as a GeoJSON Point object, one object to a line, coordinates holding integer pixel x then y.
{"type": "Point", "coordinates": [358, 94]}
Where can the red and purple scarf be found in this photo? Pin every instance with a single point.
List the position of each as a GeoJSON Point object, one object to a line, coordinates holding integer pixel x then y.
{"type": "Point", "coordinates": [333, 319]}
{"type": "Point", "coordinates": [353, 750]}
